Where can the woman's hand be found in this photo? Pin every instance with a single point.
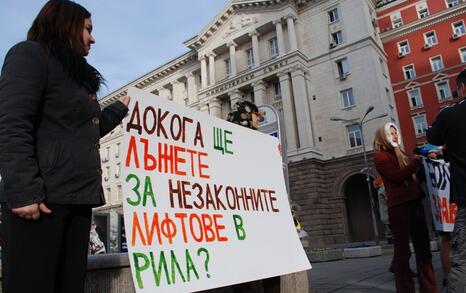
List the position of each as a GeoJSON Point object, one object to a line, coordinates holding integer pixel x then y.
{"type": "Point", "coordinates": [125, 100]}
{"type": "Point", "coordinates": [32, 211]}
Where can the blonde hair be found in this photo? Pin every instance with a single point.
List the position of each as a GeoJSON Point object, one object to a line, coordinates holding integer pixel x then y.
{"type": "Point", "coordinates": [381, 143]}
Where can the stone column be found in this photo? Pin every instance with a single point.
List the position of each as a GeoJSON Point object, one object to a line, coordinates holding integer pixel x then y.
{"type": "Point", "coordinates": [280, 38]}
{"type": "Point", "coordinates": [303, 115]}
{"type": "Point", "coordinates": [192, 88]}
{"type": "Point", "coordinates": [179, 92]}
{"type": "Point", "coordinates": [235, 96]}
{"type": "Point", "coordinates": [288, 111]}
{"type": "Point", "coordinates": [232, 46]}
{"type": "Point", "coordinates": [203, 107]}
{"type": "Point", "coordinates": [255, 47]}
{"type": "Point", "coordinates": [203, 72]}
{"type": "Point", "coordinates": [215, 108]}
{"type": "Point", "coordinates": [164, 93]}
{"type": "Point", "coordinates": [211, 68]}
{"type": "Point", "coordinates": [291, 33]}
{"type": "Point", "coordinates": [259, 92]}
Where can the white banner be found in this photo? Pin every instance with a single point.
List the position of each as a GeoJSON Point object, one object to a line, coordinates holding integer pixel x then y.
{"type": "Point", "coordinates": [438, 187]}
{"type": "Point", "coordinates": [205, 201]}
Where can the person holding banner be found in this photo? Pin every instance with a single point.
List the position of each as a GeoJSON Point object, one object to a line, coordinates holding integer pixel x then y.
{"type": "Point", "coordinates": [449, 129]}
{"type": "Point", "coordinates": [50, 126]}
{"type": "Point", "coordinates": [405, 210]}
{"type": "Point", "coordinates": [438, 194]}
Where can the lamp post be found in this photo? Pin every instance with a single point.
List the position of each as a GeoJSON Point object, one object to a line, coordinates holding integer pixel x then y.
{"type": "Point", "coordinates": [361, 123]}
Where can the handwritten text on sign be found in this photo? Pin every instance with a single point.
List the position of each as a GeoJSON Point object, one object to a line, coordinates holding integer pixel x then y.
{"type": "Point", "coordinates": [438, 186]}
{"type": "Point", "coordinates": [205, 200]}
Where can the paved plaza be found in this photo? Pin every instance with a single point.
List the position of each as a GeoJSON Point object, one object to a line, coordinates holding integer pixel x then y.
{"type": "Point", "coordinates": [361, 275]}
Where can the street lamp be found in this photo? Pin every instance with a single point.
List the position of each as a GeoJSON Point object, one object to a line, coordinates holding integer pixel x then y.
{"type": "Point", "coordinates": [360, 123]}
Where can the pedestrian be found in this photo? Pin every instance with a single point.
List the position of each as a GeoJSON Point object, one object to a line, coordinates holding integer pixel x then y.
{"type": "Point", "coordinates": [405, 210]}
{"type": "Point", "coordinates": [449, 129]}
{"type": "Point", "coordinates": [50, 126]}
{"type": "Point", "coordinates": [435, 153]}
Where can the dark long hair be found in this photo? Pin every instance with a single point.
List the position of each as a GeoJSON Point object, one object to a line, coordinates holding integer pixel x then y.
{"type": "Point", "coordinates": [59, 29]}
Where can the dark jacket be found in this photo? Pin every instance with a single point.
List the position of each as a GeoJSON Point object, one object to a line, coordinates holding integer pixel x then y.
{"type": "Point", "coordinates": [399, 183]}
{"type": "Point", "coordinates": [50, 127]}
{"type": "Point", "coordinates": [449, 129]}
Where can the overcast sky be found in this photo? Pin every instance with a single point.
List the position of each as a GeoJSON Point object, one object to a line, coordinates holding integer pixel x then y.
{"type": "Point", "coordinates": [132, 37]}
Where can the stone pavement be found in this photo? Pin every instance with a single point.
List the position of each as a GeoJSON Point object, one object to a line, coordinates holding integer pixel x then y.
{"type": "Point", "coordinates": [361, 275]}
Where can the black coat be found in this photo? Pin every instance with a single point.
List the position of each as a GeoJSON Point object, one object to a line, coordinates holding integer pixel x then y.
{"type": "Point", "coordinates": [50, 128]}
{"type": "Point", "coordinates": [449, 129]}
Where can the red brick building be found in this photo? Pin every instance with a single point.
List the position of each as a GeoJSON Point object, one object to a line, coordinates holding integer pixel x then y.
{"type": "Point", "coordinates": [425, 42]}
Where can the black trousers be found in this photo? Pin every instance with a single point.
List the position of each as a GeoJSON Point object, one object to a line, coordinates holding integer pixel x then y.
{"type": "Point", "coordinates": [48, 255]}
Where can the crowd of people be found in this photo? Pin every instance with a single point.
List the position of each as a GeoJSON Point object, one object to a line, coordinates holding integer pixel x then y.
{"type": "Point", "coordinates": [401, 193]}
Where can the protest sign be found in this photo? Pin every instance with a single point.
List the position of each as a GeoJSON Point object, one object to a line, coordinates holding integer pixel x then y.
{"type": "Point", "coordinates": [205, 202]}
{"type": "Point", "coordinates": [438, 187]}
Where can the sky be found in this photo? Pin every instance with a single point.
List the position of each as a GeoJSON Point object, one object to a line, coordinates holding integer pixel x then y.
{"type": "Point", "coordinates": [132, 37]}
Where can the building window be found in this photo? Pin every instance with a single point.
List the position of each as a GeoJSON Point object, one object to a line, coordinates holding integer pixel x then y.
{"type": "Point", "coordinates": [415, 99]}
{"type": "Point", "coordinates": [227, 66]}
{"type": "Point", "coordinates": [250, 57]}
{"type": "Point", "coordinates": [277, 89]}
{"type": "Point", "coordinates": [397, 21]}
{"type": "Point", "coordinates": [451, 3]}
{"type": "Point", "coordinates": [422, 10]}
{"type": "Point", "coordinates": [463, 54]}
{"type": "Point", "coordinates": [105, 154]}
{"type": "Point", "coordinates": [347, 98]}
{"type": "Point", "coordinates": [382, 66]}
{"type": "Point", "coordinates": [117, 150]}
{"type": "Point", "coordinates": [107, 173]}
{"type": "Point", "coordinates": [458, 28]}
{"type": "Point", "coordinates": [273, 47]}
{"type": "Point", "coordinates": [409, 72]}
{"type": "Point", "coordinates": [118, 170]}
{"type": "Point", "coordinates": [337, 38]}
{"type": "Point", "coordinates": [436, 63]}
{"type": "Point", "coordinates": [420, 124]}
{"type": "Point", "coordinates": [119, 192]}
{"type": "Point", "coordinates": [108, 197]}
{"type": "Point", "coordinates": [343, 68]}
{"type": "Point", "coordinates": [354, 135]}
{"type": "Point", "coordinates": [430, 38]}
{"type": "Point", "coordinates": [403, 47]}
{"type": "Point", "coordinates": [333, 15]}
{"type": "Point", "coordinates": [443, 91]}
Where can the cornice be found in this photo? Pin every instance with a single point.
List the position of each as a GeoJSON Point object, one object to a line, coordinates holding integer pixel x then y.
{"type": "Point", "coordinates": [423, 23]}
{"type": "Point", "coordinates": [233, 7]}
{"type": "Point", "coordinates": [284, 62]}
{"type": "Point", "coordinates": [381, 6]}
{"type": "Point", "coordinates": [151, 77]}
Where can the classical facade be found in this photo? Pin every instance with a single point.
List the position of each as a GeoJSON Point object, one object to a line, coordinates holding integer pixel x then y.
{"type": "Point", "coordinates": [426, 50]}
{"type": "Point", "coordinates": [310, 59]}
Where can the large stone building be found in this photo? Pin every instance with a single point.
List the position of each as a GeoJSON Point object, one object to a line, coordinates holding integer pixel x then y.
{"type": "Point", "coordinates": [311, 59]}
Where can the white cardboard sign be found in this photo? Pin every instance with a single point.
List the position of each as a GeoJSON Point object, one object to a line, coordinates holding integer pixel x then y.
{"type": "Point", "coordinates": [438, 186]}
{"type": "Point", "coordinates": [205, 201]}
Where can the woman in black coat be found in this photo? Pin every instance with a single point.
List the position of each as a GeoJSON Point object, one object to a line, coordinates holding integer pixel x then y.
{"type": "Point", "coordinates": [50, 126]}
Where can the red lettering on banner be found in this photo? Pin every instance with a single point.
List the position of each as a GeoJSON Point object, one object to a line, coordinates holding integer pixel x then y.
{"type": "Point", "coordinates": [132, 151]}
{"type": "Point", "coordinates": [444, 211]}
{"type": "Point", "coordinates": [448, 211]}
{"type": "Point", "coordinates": [167, 159]}
{"type": "Point", "coordinates": [179, 160]}
{"type": "Point", "coordinates": [202, 166]}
